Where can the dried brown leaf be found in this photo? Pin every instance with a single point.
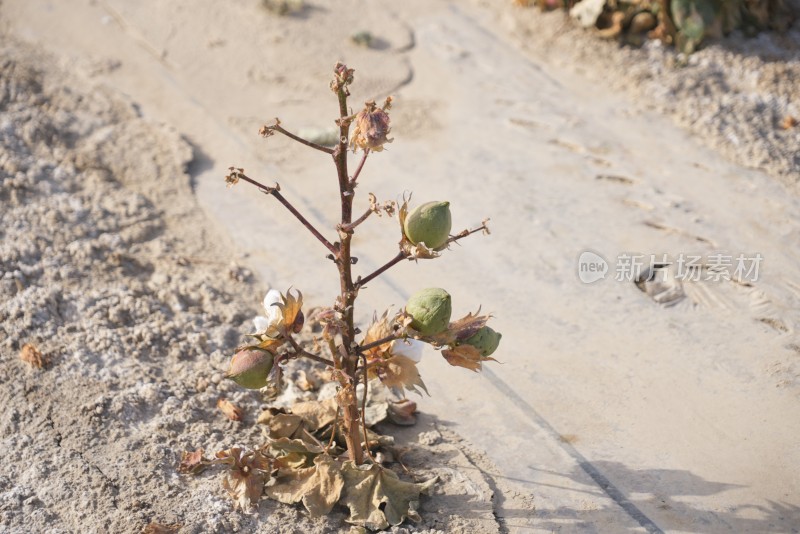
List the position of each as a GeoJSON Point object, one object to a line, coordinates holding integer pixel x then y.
{"type": "Point", "coordinates": [459, 330]}
{"type": "Point", "coordinates": [292, 314]}
{"type": "Point", "coordinates": [402, 412]}
{"type": "Point", "coordinates": [249, 471]}
{"type": "Point", "coordinates": [306, 382]}
{"type": "Point", "coordinates": [284, 425]}
{"type": "Point", "coordinates": [465, 356]}
{"type": "Point", "coordinates": [316, 414]}
{"type": "Point", "coordinates": [192, 462]}
{"type": "Point", "coordinates": [295, 453]}
{"type": "Point", "coordinates": [400, 372]}
{"type": "Point", "coordinates": [231, 411]}
{"type": "Point", "coordinates": [789, 122]}
{"type": "Point", "coordinates": [318, 487]}
{"type": "Point", "coordinates": [377, 498]}
{"type": "Point", "coordinates": [31, 355]}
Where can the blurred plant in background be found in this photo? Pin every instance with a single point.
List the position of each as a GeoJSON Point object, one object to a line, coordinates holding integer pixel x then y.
{"type": "Point", "coordinates": [684, 23]}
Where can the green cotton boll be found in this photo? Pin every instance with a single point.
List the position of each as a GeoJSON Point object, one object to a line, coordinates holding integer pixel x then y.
{"type": "Point", "coordinates": [250, 368]}
{"type": "Point", "coordinates": [431, 309]}
{"type": "Point", "coordinates": [485, 340]}
{"type": "Point", "coordinates": [429, 224]}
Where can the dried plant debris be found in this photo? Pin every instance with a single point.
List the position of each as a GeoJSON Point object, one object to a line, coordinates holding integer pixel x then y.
{"type": "Point", "coordinates": [158, 528]}
{"type": "Point", "coordinates": [304, 461]}
{"type": "Point", "coordinates": [231, 411]}
{"type": "Point", "coordinates": [32, 356]}
{"type": "Point", "coordinates": [684, 23]}
{"type": "Point", "coordinates": [192, 462]}
{"type": "Point", "coordinates": [377, 498]}
{"type": "Point", "coordinates": [247, 473]}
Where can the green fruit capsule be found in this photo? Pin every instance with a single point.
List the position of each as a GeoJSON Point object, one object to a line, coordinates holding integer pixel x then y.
{"type": "Point", "coordinates": [429, 224]}
{"type": "Point", "coordinates": [430, 309]}
{"type": "Point", "coordinates": [250, 368]}
{"type": "Point", "coordinates": [485, 340]}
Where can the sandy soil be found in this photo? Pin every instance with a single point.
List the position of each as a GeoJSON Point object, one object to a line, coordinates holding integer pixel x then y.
{"type": "Point", "coordinates": [611, 412]}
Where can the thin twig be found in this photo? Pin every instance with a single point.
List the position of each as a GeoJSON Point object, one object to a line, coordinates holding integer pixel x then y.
{"type": "Point", "coordinates": [278, 128]}
{"type": "Point", "coordinates": [364, 412]}
{"type": "Point", "coordinates": [300, 351]}
{"type": "Point", "coordinates": [397, 259]}
{"type": "Point", "coordinates": [358, 169]}
{"type": "Point", "coordinates": [333, 429]}
{"type": "Point", "coordinates": [275, 192]}
{"type": "Point", "coordinates": [363, 348]}
{"type": "Point", "coordinates": [352, 225]}
{"type": "Point", "coordinates": [466, 233]}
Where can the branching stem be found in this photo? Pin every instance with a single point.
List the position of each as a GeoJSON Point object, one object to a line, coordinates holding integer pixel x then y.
{"type": "Point", "coordinates": [358, 169]}
{"type": "Point", "coordinates": [363, 348]}
{"type": "Point", "coordinates": [278, 128]}
{"type": "Point", "coordinates": [276, 192]}
{"type": "Point", "coordinates": [300, 351]}
{"type": "Point", "coordinates": [388, 265]}
{"type": "Point", "coordinates": [349, 227]}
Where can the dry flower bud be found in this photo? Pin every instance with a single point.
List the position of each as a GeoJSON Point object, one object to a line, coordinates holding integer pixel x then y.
{"type": "Point", "coordinates": [371, 128]}
{"type": "Point", "coordinates": [429, 224]}
{"type": "Point", "coordinates": [431, 309]}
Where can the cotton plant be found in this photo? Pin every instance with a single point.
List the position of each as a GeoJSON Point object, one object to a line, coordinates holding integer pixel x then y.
{"type": "Point", "coordinates": [321, 453]}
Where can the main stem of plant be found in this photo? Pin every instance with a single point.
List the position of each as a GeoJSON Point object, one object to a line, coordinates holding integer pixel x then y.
{"type": "Point", "coordinates": [348, 291]}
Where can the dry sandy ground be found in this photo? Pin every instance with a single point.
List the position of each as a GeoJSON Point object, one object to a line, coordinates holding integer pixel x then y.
{"type": "Point", "coordinates": [610, 412]}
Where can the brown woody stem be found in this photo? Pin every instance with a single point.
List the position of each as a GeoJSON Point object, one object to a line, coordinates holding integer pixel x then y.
{"type": "Point", "coordinates": [348, 289]}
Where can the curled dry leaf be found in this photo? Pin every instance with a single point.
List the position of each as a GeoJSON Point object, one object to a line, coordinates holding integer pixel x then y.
{"type": "Point", "coordinates": [465, 356]}
{"type": "Point", "coordinates": [318, 487]}
{"type": "Point", "coordinates": [377, 498]}
{"type": "Point", "coordinates": [400, 372]}
{"type": "Point", "coordinates": [316, 414]}
{"type": "Point", "coordinates": [459, 330]}
{"type": "Point", "coordinates": [402, 412]}
{"type": "Point", "coordinates": [248, 473]}
{"type": "Point", "coordinates": [231, 411]}
{"type": "Point", "coordinates": [306, 381]}
{"type": "Point", "coordinates": [293, 318]}
{"type": "Point", "coordinates": [31, 355]}
{"type": "Point", "coordinates": [192, 462]}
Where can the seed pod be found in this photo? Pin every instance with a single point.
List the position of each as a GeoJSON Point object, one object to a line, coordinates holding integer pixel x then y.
{"type": "Point", "coordinates": [430, 309]}
{"type": "Point", "coordinates": [429, 224]}
{"type": "Point", "coordinates": [485, 340]}
{"type": "Point", "coordinates": [250, 368]}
